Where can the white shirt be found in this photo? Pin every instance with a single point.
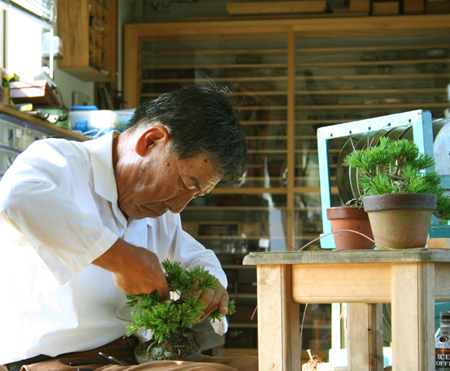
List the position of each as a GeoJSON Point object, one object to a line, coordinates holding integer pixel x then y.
{"type": "Point", "coordinates": [58, 213]}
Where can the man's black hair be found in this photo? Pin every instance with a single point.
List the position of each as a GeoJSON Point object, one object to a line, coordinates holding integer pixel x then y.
{"type": "Point", "coordinates": [201, 119]}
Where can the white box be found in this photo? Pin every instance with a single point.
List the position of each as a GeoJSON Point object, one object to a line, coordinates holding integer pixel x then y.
{"type": "Point", "coordinates": [57, 46]}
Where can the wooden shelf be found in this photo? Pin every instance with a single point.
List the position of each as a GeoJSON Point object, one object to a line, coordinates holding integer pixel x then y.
{"type": "Point", "coordinates": [238, 266]}
{"type": "Point", "coordinates": [365, 49]}
{"type": "Point", "coordinates": [361, 107]}
{"type": "Point", "coordinates": [242, 296]}
{"type": "Point", "coordinates": [373, 63]}
{"type": "Point", "coordinates": [222, 52]}
{"type": "Point", "coordinates": [89, 53]}
{"type": "Point", "coordinates": [218, 79]}
{"type": "Point", "coordinates": [242, 325]}
{"type": "Point", "coordinates": [56, 131]}
{"type": "Point", "coordinates": [384, 92]}
{"type": "Point", "coordinates": [264, 122]}
{"type": "Point", "coordinates": [365, 78]}
{"type": "Point", "coordinates": [235, 66]}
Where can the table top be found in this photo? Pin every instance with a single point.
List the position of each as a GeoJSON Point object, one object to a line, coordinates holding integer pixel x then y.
{"type": "Point", "coordinates": [348, 256]}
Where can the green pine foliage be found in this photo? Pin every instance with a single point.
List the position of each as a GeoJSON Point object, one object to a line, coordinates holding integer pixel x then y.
{"type": "Point", "coordinates": [397, 166]}
{"type": "Point", "coordinates": [166, 319]}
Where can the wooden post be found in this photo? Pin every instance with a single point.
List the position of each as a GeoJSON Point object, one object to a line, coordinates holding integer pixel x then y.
{"type": "Point", "coordinates": [413, 316]}
{"type": "Point", "coordinates": [279, 322]}
{"type": "Point", "coordinates": [365, 336]}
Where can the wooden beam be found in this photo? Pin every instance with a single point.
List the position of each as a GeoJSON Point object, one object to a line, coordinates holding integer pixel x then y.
{"type": "Point", "coordinates": [277, 7]}
{"type": "Point", "coordinates": [319, 285]}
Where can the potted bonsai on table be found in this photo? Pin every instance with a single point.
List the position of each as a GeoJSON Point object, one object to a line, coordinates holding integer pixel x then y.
{"type": "Point", "coordinates": [169, 320]}
{"type": "Point", "coordinates": [400, 190]}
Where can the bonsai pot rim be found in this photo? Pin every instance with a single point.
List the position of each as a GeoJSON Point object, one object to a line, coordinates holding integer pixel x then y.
{"type": "Point", "coordinates": [346, 212]}
{"type": "Point", "coordinates": [425, 201]}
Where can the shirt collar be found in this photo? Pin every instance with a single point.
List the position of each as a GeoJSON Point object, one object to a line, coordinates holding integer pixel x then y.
{"type": "Point", "coordinates": [102, 164]}
{"type": "Point", "coordinates": [101, 159]}
{"type": "Point", "coordinates": [104, 180]}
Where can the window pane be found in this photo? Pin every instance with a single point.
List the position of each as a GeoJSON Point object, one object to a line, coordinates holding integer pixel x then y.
{"type": "Point", "coordinates": [23, 45]}
{"type": "Point", "coordinates": [42, 8]}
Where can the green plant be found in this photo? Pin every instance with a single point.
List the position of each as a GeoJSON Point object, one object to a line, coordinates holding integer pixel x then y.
{"type": "Point", "coordinates": [397, 166]}
{"type": "Point", "coordinates": [169, 320]}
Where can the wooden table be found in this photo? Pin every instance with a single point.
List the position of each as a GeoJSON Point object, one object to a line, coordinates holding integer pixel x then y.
{"type": "Point", "coordinates": [411, 280]}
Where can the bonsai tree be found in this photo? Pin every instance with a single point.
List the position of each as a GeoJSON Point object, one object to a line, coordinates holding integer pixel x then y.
{"type": "Point", "coordinates": [397, 166]}
{"type": "Point", "coordinates": [169, 320]}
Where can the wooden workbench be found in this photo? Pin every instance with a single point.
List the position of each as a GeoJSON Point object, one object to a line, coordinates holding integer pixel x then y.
{"type": "Point", "coordinates": [411, 280]}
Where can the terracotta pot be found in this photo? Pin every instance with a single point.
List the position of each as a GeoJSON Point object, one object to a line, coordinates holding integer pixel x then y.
{"type": "Point", "coordinates": [400, 221]}
{"type": "Point", "coordinates": [353, 218]}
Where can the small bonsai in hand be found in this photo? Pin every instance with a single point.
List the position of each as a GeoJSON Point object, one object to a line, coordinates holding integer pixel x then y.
{"type": "Point", "coordinates": [397, 166]}
{"type": "Point", "coordinates": [169, 320]}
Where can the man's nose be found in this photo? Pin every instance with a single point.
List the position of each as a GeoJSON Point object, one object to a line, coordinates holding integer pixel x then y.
{"type": "Point", "coordinates": [179, 202]}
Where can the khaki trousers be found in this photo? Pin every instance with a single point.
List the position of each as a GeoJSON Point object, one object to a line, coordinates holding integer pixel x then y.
{"type": "Point", "coordinates": [123, 349]}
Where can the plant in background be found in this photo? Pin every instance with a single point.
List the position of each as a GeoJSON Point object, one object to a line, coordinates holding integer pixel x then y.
{"type": "Point", "coordinates": [169, 320]}
{"type": "Point", "coordinates": [397, 166]}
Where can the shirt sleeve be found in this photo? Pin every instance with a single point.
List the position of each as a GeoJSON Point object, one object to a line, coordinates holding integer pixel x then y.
{"type": "Point", "coordinates": [38, 207]}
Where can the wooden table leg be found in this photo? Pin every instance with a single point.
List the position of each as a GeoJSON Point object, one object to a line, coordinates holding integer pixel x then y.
{"type": "Point", "coordinates": [278, 320]}
{"type": "Point", "coordinates": [365, 337]}
{"type": "Point", "coordinates": [413, 316]}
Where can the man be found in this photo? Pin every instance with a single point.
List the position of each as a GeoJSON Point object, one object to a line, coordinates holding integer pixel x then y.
{"type": "Point", "coordinates": [83, 224]}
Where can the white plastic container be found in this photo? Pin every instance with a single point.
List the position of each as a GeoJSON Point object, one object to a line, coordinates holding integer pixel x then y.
{"type": "Point", "coordinates": [89, 120]}
{"type": "Point", "coordinates": [57, 45]}
{"type": "Point", "coordinates": [7, 157]}
{"type": "Point", "coordinates": [11, 132]}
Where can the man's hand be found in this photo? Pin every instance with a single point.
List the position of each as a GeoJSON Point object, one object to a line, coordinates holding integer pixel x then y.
{"type": "Point", "coordinates": [135, 269]}
{"type": "Point", "coordinates": [214, 299]}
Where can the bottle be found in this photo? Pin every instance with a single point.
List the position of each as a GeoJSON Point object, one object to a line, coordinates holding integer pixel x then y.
{"type": "Point", "coordinates": [443, 342]}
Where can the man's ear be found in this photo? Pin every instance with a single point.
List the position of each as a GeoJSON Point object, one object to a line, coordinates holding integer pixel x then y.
{"type": "Point", "coordinates": [155, 134]}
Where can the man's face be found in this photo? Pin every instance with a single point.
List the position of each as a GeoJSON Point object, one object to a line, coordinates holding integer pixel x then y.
{"type": "Point", "coordinates": [161, 182]}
